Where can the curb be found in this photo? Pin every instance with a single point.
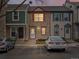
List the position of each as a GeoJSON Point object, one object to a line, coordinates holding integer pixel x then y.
{"type": "Point", "coordinates": [73, 45]}
{"type": "Point", "coordinates": [21, 45]}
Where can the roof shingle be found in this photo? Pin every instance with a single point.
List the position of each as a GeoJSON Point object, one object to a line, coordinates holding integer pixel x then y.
{"type": "Point", "coordinates": [13, 6]}
{"type": "Point", "coordinates": [50, 8]}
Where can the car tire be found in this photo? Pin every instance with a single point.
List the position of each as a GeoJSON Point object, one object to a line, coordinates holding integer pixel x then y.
{"type": "Point", "coordinates": [63, 49]}
{"type": "Point", "coordinates": [6, 50]}
{"type": "Point", "coordinates": [48, 49]}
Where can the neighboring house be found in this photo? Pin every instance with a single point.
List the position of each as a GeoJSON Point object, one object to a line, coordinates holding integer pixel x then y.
{"type": "Point", "coordinates": [49, 20]}
{"type": "Point", "coordinates": [61, 22]}
{"type": "Point", "coordinates": [16, 22]}
{"type": "Point", "coordinates": [75, 7]}
{"type": "Point", "coordinates": [39, 22]}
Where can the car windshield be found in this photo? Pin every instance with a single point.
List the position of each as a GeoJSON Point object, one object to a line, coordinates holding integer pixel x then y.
{"type": "Point", "coordinates": [56, 38]}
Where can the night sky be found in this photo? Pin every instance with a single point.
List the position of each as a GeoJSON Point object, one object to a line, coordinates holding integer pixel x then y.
{"type": "Point", "coordinates": [50, 2]}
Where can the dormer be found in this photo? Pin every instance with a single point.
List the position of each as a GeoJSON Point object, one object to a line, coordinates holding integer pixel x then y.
{"type": "Point", "coordinates": [69, 5]}
{"type": "Point", "coordinates": [38, 14]}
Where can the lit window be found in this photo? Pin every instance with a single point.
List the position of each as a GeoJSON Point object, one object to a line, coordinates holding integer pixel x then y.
{"type": "Point", "coordinates": [38, 17]}
{"type": "Point", "coordinates": [15, 16]}
{"type": "Point", "coordinates": [43, 30]}
{"type": "Point", "coordinates": [38, 29]}
{"type": "Point", "coordinates": [35, 17]}
{"type": "Point", "coordinates": [32, 31]}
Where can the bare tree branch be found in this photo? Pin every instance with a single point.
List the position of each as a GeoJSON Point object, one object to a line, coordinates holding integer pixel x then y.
{"type": "Point", "coordinates": [3, 4]}
{"type": "Point", "coordinates": [14, 9]}
{"type": "Point", "coordinates": [20, 5]}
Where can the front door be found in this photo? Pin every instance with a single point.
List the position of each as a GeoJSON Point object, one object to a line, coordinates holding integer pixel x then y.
{"type": "Point", "coordinates": [20, 32]}
{"type": "Point", "coordinates": [32, 33]}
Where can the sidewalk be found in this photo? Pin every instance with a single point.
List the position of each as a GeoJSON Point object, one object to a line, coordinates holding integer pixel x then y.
{"type": "Point", "coordinates": [72, 43]}
{"type": "Point", "coordinates": [32, 43]}
{"type": "Point", "coordinates": [28, 43]}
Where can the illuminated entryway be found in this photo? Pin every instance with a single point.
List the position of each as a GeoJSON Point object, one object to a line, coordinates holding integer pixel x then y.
{"type": "Point", "coordinates": [32, 33]}
{"type": "Point", "coordinates": [37, 32]}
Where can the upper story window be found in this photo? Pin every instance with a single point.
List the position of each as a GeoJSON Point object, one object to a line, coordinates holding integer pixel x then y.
{"type": "Point", "coordinates": [16, 16]}
{"type": "Point", "coordinates": [38, 17]}
{"type": "Point", "coordinates": [66, 17]}
{"type": "Point", "coordinates": [57, 16]}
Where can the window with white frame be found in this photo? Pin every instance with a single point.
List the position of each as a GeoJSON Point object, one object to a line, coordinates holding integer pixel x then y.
{"type": "Point", "coordinates": [66, 17]}
{"type": "Point", "coordinates": [13, 32]}
{"type": "Point", "coordinates": [57, 16]}
{"type": "Point", "coordinates": [38, 17]}
{"type": "Point", "coordinates": [15, 16]}
{"type": "Point", "coordinates": [67, 28]}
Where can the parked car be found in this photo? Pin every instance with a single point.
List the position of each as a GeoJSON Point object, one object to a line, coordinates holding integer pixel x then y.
{"type": "Point", "coordinates": [55, 42]}
{"type": "Point", "coordinates": [9, 43]}
{"type": "Point", "coordinates": [6, 44]}
{"type": "Point", "coordinates": [3, 45]}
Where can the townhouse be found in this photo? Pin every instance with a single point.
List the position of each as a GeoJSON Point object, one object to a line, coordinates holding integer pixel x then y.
{"type": "Point", "coordinates": [16, 21]}
{"type": "Point", "coordinates": [74, 6]}
{"type": "Point", "coordinates": [45, 21]}
{"type": "Point", "coordinates": [39, 22]}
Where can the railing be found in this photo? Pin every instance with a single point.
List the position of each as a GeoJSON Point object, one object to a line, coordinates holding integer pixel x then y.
{"type": "Point", "coordinates": [12, 40]}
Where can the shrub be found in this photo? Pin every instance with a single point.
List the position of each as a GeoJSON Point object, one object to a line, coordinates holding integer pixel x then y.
{"type": "Point", "coordinates": [40, 41]}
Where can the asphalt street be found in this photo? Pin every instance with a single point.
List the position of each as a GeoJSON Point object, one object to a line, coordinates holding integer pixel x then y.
{"type": "Point", "coordinates": [40, 53]}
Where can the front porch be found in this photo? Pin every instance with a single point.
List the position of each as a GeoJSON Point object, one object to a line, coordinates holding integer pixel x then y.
{"type": "Point", "coordinates": [16, 31]}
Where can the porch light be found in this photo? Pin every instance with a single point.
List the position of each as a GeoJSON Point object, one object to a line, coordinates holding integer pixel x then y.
{"type": "Point", "coordinates": [38, 28]}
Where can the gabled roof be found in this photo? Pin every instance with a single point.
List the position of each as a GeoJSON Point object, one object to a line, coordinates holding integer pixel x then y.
{"type": "Point", "coordinates": [13, 6]}
{"type": "Point", "coordinates": [33, 8]}
{"type": "Point", "coordinates": [49, 8]}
